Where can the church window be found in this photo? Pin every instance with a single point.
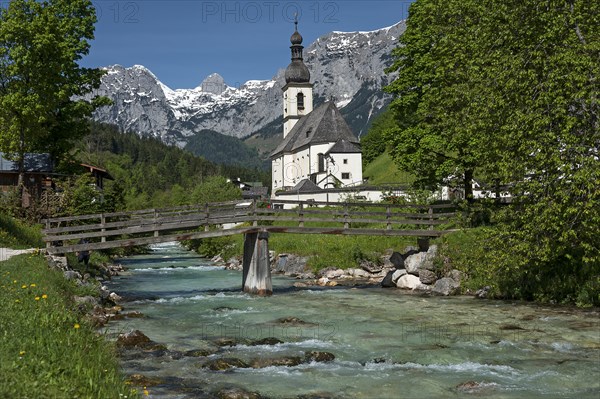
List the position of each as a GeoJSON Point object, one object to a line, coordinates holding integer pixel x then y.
{"type": "Point", "coordinates": [321, 163]}
{"type": "Point", "coordinates": [345, 162]}
{"type": "Point", "coordinates": [345, 176]}
{"type": "Point", "coordinates": [300, 100]}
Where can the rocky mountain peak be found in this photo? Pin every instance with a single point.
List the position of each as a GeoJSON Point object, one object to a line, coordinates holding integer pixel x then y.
{"type": "Point", "coordinates": [346, 66]}
{"type": "Point", "coordinates": [214, 83]}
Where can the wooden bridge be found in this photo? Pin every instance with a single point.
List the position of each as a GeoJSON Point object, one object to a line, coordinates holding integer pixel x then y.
{"type": "Point", "coordinates": [255, 219]}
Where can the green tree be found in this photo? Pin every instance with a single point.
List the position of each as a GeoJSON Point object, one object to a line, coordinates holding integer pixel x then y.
{"type": "Point", "coordinates": [215, 189]}
{"type": "Point", "coordinates": [375, 143]}
{"type": "Point", "coordinates": [508, 89]}
{"type": "Point", "coordinates": [41, 84]}
{"type": "Point", "coordinates": [439, 93]}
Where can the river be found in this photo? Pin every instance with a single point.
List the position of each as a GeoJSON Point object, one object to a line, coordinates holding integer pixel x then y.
{"type": "Point", "coordinates": [387, 344]}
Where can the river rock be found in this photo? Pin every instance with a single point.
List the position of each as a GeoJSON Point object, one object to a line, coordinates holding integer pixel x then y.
{"type": "Point", "coordinates": [294, 321]}
{"type": "Point", "coordinates": [371, 267]}
{"type": "Point", "coordinates": [408, 281]}
{"type": "Point", "coordinates": [266, 341]}
{"type": "Point", "coordinates": [358, 273]}
{"type": "Point", "coordinates": [318, 356]}
{"type": "Point", "coordinates": [397, 274]}
{"type": "Point", "coordinates": [285, 361]}
{"type": "Point", "coordinates": [445, 286]}
{"type": "Point", "coordinates": [133, 338]}
{"type": "Point", "coordinates": [236, 393]}
{"type": "Point", "coordinates": [482, 293]}
{"type": "Point", "coordinates": [199, 353]}
{"type": "Point", "coordinates": [427, 276]}
{"type": "Point", "coordinates": [72, 275]}
{"type": "Point", "coordinates": [86, 300]}
{"type": "Point", "coordinates": [290, 264]}
{"type": "Point", "coordinates": [331, 274]}
{"type": "Point", "coordinates": [397, 260]}
{"type": "Point", "coordinates": [387, 281]}
{"type": "Point", "coordinates": [114, 297]}
{"type": "Point", "coordinates": [227, 341]}
{"type": "Point", "coordinates": [225, 363]}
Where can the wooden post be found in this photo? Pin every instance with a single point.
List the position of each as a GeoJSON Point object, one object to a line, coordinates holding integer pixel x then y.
{"type": "Point", "coordinates": [388, 216]}
{"type": "Point", "coordinates": [430, 212]}
{"type": "Point", "coordinates": [256, 278]}
{"type": "Point", "coordinates": [103, 230]}
{"type": "Point", "coordinates": [48, 243]}
{"type": "Point", "coordinates": [154, 222]}
{"type": "Point", "coordinates": [346, 212]}
{"type": "Point", "coordinates": [206, 226]}
{"type": "Point", "coordinates": [301, 215]}
{"type": "Point", "coordinates": [255, 218]}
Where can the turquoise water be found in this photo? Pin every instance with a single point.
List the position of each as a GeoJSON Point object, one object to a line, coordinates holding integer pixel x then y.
{"type": "Point", "coordinates": [387, 344]}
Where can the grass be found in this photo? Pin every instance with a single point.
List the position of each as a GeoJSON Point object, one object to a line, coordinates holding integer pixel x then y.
{"type": "Point", "coordinates": [48, 348]}
{"type": "Point", "coordinates": [18, 235]}
{"type": "Point", "coordinates": [382, 170]}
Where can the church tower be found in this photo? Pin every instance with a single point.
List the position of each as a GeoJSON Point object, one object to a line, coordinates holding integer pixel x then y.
{"type": "Point", "coordinates": [297, 92]}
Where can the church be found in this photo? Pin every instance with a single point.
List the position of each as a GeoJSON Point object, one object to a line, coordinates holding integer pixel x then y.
{"type": "Point", "coordinates": [318, 152]}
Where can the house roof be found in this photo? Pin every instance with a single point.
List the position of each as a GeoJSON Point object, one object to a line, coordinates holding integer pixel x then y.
{"type": "Point", "coordinates": [344, 147]}
{"type": "Point", "coordinates": [324, 124]}
{"type": "Point", "coordinates": [305, 185]}
{"type": "Point", "coordinates": [32, 163]}
{"type": "Point", "coordinates": [97, 171]}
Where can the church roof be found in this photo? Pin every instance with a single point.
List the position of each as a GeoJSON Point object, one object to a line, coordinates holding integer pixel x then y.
{"type": "Point", "coordinates": [323, 125]}
{"type": "Point", "coordinates": [344, 147]}
{"type": "Point", "coordinates": [305, 185]}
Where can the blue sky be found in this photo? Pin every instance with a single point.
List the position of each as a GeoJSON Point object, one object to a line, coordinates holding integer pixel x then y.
{"type": "Point", "coordinates": [183, 41]}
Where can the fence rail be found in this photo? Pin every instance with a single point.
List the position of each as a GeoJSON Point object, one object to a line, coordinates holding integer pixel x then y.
{"type": "Point", "coordinates": [143, 227]}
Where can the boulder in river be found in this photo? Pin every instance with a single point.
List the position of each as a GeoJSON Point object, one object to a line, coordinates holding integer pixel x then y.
{"type": "Point", "coordinates": [427, 276]}
{"type": "Point", "coordinates": [445, 286]}
{"type": "Point", "coordinates": [133, 338]}
{"type": "Point", "coordinates": [408, 281]}
{"type": "Point", "coordinates": [225, 363]}
{"type": "Point", "coordinates": [318, 356]}
{"type": "Point", "coordinates": [285, 361]}
{"type": "Point", "coordinates": [397, 260]}
{"type": "Point", "coordinates": [387, 281]}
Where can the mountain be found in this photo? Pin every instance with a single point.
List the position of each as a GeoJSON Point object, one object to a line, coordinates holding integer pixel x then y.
{"type": "Point", "coordinates": [346, 66]}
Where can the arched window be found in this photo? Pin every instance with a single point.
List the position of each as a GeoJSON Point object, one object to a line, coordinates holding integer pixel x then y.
{"type": "Point", "coordinates": [321, 163]}
{"type": "Point", "coordinates": [300, 100]}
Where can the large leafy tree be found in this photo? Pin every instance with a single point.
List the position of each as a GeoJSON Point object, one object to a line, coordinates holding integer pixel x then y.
{"type": "Point", "coordinates": [508, 90]}
{"type": "Point", "coordinates": [441, 132]}
{"type": "Point", "coordinates": [41, 84]}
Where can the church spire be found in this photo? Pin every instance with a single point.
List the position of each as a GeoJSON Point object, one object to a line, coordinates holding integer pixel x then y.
{"type": "Point", "coordinates": [297, 72]}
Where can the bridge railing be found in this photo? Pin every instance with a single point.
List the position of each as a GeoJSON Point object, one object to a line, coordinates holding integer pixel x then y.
{"type": "Point", "coordinates": [120, 229]}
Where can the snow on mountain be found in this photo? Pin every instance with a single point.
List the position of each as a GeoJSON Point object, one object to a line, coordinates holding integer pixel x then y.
{"type": "Point", "coordinates": [346, 66]}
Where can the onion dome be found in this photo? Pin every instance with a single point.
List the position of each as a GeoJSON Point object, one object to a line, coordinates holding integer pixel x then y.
{"type": "Point", "coordinates": [297, 71]}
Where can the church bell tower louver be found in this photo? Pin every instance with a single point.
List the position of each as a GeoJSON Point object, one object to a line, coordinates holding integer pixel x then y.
{"type": "Point", "coordinates": [297, 92]}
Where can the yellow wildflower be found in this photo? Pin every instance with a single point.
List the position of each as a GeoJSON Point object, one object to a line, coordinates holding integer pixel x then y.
{"type": "Point", "coordinates": [17, 300]}
{"type": "Point", "coordinates": [146, 392]}
{"type": "Point", "coordinates": [23, 286]}
{"type": "Point", "coordinates": [76, 326]}
{"type": "Point", "coordinates": [14, 281]}
{"type": "Point", "coordinates": [37, 298]}
{"type": "Point", "coordinates": [32, 285]}
{"type": "Point", "coordinates": [21, 353]}
{"type": "Point", "coordinates": [44, 296]}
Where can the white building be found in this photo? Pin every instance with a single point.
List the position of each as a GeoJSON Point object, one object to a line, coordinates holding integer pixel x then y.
{"type": "Point", "coordinates": [319, 150]}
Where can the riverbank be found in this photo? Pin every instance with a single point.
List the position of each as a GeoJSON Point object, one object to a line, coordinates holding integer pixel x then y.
{"type": "Point", "coordinates": [50, 349]}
